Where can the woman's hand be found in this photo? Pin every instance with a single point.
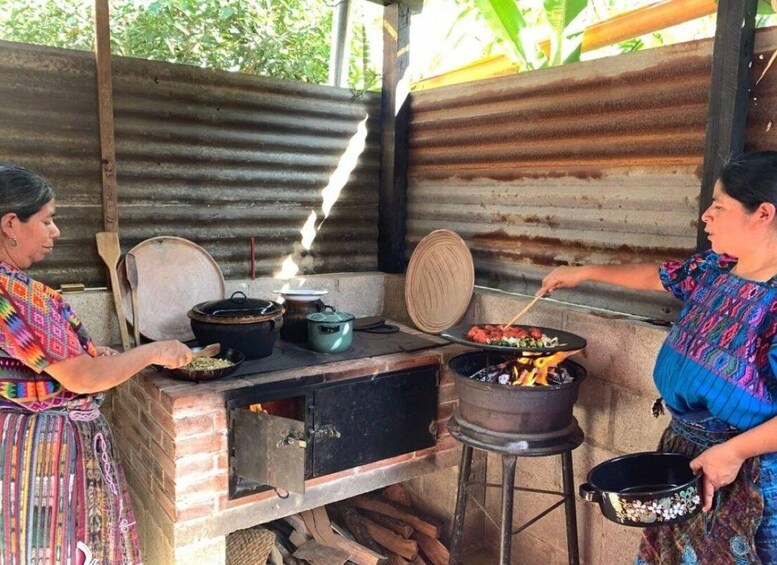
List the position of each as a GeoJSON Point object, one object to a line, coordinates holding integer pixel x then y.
{"type": "Point", "coordinates": [561, 277]}
{"type": "Point", "coordinates": [105, 351]}
{"type": "Point", "coordinates": [720, 465]}
{"type": "Point", "coordinates": [171, 354]}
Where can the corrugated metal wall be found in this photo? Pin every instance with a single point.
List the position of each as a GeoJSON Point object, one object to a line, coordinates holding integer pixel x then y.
{"type": "Point", "coordinates": [210, 156]}
{"type": "Point", "coordinates": [594, 162]}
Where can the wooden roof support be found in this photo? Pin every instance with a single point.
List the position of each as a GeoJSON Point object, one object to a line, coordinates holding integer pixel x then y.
{"type": "Point", "coordinates": [395, 123]}
{"type": "Point", "coordinates": [102, 47]}
{"type": "Point", "coordinates": [729, 88]}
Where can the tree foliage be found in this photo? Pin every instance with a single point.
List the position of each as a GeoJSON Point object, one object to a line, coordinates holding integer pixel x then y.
{"type": "Point", "coordinates": [281, 38]}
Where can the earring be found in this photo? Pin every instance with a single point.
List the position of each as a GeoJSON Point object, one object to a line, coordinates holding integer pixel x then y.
{"type": "Point", "coordinates": [13, 242]}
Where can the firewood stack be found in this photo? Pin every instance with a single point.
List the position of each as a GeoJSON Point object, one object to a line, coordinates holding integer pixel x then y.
{"type": "Point", "coordinates": [380, 528]}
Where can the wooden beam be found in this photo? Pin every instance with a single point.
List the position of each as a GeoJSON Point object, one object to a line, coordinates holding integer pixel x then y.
{"type": "Point", "coordinates": [395, 119]}
{"type": "Point", "coordinates": [102, 46]}
{"type": "Point", "coordinates": [729, 87]}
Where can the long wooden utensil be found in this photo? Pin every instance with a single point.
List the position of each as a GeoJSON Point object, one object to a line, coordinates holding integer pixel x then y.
{"type": "Point", "coordinates": [523, 311]}
{"type": "Point", "coordinates": [110, 251]}
{"type": "Point", "coordinates": [131, 265]}
{"type": "Point", "coordinates": [208, 351]}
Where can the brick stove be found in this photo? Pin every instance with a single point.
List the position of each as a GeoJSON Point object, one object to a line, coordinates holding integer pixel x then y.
{"type": "Point", "coordinates": [174, 441]}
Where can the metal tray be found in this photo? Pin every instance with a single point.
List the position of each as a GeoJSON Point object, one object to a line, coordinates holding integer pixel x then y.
{"type": "Point", "coordinates": [567, 341]}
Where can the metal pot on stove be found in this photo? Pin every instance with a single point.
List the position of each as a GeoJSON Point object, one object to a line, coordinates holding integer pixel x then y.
{"type": "Point", "coordinates": [330, 331]}
{"type": "Point", "coordinates": [249, 325]}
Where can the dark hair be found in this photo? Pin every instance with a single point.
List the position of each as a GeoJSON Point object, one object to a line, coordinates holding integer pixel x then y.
{"type": "Point", "coordinates": [22, 192]}
{"type": "Point", "coordinates": [751, 179]}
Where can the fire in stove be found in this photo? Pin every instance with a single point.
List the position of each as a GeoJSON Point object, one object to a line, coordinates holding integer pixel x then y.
{"type": "Point", "coordinates": [528, 370]}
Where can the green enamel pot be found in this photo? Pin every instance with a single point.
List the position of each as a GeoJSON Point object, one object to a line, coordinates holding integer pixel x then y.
{"type": "Point", "coordinates": [330, 331]}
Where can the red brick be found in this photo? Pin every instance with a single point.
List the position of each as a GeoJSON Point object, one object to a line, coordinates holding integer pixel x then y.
{"type": "Point", "coordinates": [199, 488]}
{"type": "Point", "coordinates": [192, 426]}
{"type": "Point", "coordinates": [222, 462]}
{"type": "Point", "coordinates": [159, 414]}
{"type": "Point", "coordinates": [445, 411]}
{"type": "Point", "coordinates": [447, 393]}
{"type": "Point", "coordinates": [194, 511]}
{"type": "Point", "coordinates": [196, 465]}
{"type": "Point", "coordinates": [210, 443]}
{"type": "Point", "coordinates": [152, 428]}
{"type": "Point", "coordinates": [196, 403]}
{"type": "Point", "coordinates": [164, 458]}
{"type": "Point", "coordinates": [140, 396]}
{"type": "Point", "coordinates": [220, 420]}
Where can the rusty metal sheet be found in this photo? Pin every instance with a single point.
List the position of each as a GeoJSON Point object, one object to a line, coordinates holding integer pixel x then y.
{"type": "Point", "coordinates": [212, 156]}
{"type": "Point", "coordinates": [597, 162]}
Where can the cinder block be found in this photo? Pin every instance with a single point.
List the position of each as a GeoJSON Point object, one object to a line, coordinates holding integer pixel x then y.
{"type": "Point", "coordinates": [635, 428]}
{"type": "Point", "coordinates": [594, 410]}
{"type": "Point", "coordinates": [619, 351]}
{"type": "Point", "coordinates": [212, 551]}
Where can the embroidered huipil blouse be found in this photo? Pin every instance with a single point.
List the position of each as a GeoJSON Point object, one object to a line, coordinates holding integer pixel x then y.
{"type": "Point", "coordinates": [37, 328]}
{"type": "Point", "coordinates": [720, 354]}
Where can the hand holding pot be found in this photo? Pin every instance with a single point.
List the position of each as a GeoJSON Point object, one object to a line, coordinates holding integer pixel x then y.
{"type": "Point", "coordinates": [720, 465]}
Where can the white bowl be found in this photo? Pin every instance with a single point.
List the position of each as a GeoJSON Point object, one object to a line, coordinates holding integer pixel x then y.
{"type": "Point", "coordinates": [301, 294]}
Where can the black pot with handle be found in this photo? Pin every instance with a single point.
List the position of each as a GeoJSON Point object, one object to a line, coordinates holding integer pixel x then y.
{"type": "Point", "coordinates": [249, 325]}
{"type": "Point", "coordinates": [645, 489]}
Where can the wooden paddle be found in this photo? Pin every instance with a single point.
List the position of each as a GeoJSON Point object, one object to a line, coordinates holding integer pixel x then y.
{"type": "Point", "coordinates": [208, 351]}
{"type": "Point", "coordinates": [110, 251]}
{"type": "Point", "coordinates": [131, 266]}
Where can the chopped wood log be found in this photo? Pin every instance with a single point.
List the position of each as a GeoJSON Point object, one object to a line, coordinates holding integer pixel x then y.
{"type": "Point", "coordinates": [396, 526]}
{"type": "Point", "coordinates": [435, 552]}
{"type": "Point", "coordinates": [397, 493]}
{"type": "Point", "coordinates": [353, 521]}
{"type": "Point", "coordinates": [317, 554]}
{"type": "Point", "coordinates": [391, 541]}
{"type": "Point", "coordinates": [423, 525]}
{"type": "Point", "coordinates": [360, 554]}
{"type": "Point", "coordinates": [420, 560]}
{"type": "Point", "coordinates": [395, 559]}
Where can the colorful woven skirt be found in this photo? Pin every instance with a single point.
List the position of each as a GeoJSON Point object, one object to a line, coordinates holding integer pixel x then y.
{"type": "Point", "coordinates": [739, 529]}
{"type": "Point", "coordinates": [63, 496]}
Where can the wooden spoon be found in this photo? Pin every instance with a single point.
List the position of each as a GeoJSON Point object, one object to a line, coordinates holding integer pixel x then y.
{"type": "Point", "coordinates": [110, 251]}
{"type": "Point", "coordinates": [130, 264]}
{"type": "Point", "coordinates": [209, 351]}
{"type": "Point", "coordinates": [523, 311]}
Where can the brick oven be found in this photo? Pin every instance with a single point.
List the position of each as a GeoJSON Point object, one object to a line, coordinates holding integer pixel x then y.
{"type": "Point", "coordinates": [178, 444]}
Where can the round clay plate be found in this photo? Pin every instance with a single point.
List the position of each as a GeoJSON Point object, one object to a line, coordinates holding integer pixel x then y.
{"type": "Point", "coordinates": [439, 281]}
{"type": "Point", "coordinates": [174, 274]}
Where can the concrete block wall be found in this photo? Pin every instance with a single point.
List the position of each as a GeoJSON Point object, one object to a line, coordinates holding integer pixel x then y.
{"type": "Point", "coordinates": [614, 411]}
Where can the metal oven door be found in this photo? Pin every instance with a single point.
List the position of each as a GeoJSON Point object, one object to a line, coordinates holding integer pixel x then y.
{"type": "Point", "coordinates": [269, 450]}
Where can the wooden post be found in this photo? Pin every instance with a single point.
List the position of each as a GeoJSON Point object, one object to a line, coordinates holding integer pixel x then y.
{"type": "Point", "coordinates": [729, 88]}
{"type": "Point", "coordinates": [102, 47]}
{"type": "Point", "coordinates": [395, 119]}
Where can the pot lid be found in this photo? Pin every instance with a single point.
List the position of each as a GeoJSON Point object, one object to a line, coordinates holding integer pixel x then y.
{"type": "Point", "coordinates": [330, 317]}
{"type": "Point", "coordinates": [172, 274]}
{"type": "Point", "coordinates": [439, 281]}
{"type": "Point", "coordinates": [237, 309]}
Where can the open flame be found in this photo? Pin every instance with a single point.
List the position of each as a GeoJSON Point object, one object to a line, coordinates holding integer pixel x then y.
{"type": "Point", "coordinates": [528, 370]}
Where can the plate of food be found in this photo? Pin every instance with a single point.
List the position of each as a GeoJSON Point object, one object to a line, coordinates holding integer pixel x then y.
{"type": "Point", "coordinates": [515, 338]}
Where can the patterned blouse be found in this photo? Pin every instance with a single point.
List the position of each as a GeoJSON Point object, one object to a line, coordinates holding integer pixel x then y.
{"type": "Point", "coordinates": [37, 328]}
{"type": "Point", "coordinates": [721, 354]}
